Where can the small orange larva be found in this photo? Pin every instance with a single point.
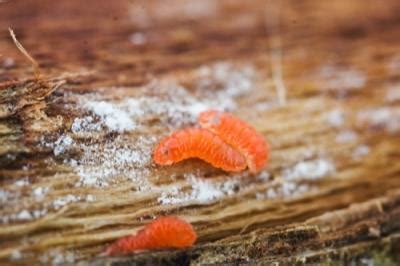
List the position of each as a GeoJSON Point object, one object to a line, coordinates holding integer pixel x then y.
{"type": "Point", "coordinates": [164, 232]}
{"type": "Point", "coordinates": [198, 143]}
{"type": "Point", "coordinates": [239, 135]}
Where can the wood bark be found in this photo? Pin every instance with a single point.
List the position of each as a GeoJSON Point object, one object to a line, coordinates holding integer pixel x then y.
{"type": "Point", "coordinates": [75, 143]}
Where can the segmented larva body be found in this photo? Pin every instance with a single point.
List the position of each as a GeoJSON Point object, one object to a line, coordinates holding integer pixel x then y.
{"type": "Point", "coordinates": [238, 134]}
{"type": "Point", "coordinates": [164, 232]}
{"type": "Point", "coordinates": [198, 143]}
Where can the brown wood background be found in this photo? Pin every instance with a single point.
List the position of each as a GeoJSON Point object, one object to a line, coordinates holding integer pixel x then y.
{"type": "Point", "coordinates": [330, 194]}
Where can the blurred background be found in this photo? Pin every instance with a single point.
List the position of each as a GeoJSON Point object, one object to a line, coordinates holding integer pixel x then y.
{"type": "Point", "coordinates": [320, 80]}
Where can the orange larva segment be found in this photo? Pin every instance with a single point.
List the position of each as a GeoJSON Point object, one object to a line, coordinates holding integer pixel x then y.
{"type": "Point", "coordinates": [198, 143]}
{"type": "Point", "coordinates": [238, 134]}
{"type": "Point", "coordinates": [164, 232]}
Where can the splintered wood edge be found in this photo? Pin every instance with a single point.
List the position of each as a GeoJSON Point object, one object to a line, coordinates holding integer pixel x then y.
{"type": "Point", "coordinates": [354, 233]}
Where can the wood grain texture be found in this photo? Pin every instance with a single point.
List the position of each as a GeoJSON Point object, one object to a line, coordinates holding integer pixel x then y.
{"type": "Point", "coordinates": [75, 147]}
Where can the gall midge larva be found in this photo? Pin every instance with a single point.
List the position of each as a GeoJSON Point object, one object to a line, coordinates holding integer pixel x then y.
{"type": "Point", "coordinates": [198, 143]}
{"type": "Point", "coordinates": [238, 134]}
{"type": "Point", "coordinates": [164, 232]}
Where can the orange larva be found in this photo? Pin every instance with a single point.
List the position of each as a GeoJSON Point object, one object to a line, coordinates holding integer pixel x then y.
{"type": "Point", "coordinates": [198, 143]}
{"type": "Point", "coordinates": [238, 134]}
{"type": "Point", "coordinates": [164, 232]}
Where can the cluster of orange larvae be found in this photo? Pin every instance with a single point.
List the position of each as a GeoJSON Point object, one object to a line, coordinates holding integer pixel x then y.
{"type": "Point", "coordinates": [225, 142]}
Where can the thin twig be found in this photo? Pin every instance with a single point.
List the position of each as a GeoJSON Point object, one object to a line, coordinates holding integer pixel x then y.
{"type": "Point", "coordinates": [26, 54]}
{"type": "Point", "coordinates": [273, 26]}
{"type": "Point", "coordinates": [277, 75]}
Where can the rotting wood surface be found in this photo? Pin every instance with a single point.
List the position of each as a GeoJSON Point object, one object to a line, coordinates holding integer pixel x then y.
{"type": "Point", "coordinates": [75, 147]}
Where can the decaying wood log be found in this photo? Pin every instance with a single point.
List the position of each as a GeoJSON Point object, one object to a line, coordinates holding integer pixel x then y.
{"type": "Point", "coordinates": [75, 145]}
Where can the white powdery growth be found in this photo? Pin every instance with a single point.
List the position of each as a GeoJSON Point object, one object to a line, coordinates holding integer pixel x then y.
{"type": "Point", "coordinates": [40, 192]}
{"type": "Point", "coordinates": [382, 117]}
{"type": "Point", "coordinates": [113, 117]}
{"type": "Point", "coordinates": [342, 78]}
{"type": "Point", "coordinates": [202, 192]}
{"type": "Point", "coordinates": [285, 189]}
{"type": "Point", "coordinates": [178, 109]}
{"type": "Point", "coordinates": [228, 81]}
{"type": "Point", "coordinates": [62, 144]}
{"type": "Point", "coordinates": [264, 176]}
{"type": "Point", "coordinates": [4, 196]}
{"type": "Point", "coordinates": [8, 62]}
{"type": "Point", "coordinates": [292, 189]}
{"type": "Point", "coordinates": [39, 213]}
{"type": "Point", "coordinates": [361, 151]}
{"type": "Point", "coordinates": [335, 117]}
{"type": "Point", "coordinates": [24, 216]}
{"type": "Point", "coordinates": [309, 170]}
{"type": "Point", "coordinates": [90, 198]}
{"type": "Point", "coordinates": [132, 113]}
{"type": "Point", "coordinates": [16, 255]}
{"type": "Point", "coordinates": [57, 257]}
{"type": "Point", "coordinates": [99, 163]}
{"type": "Point", "coordinates": [235, 81]}
{"type": "Point", "coordinates": [346, 136]}
{"type": "Point", "coordinates": [85, 124]}
{"type": "Point", "coordinates": [62, 201]}
{"type": "Point", "coordinates": [21, 183]}
{"type": "Point", "coordinates": [216, 87]}
{"type": "Point", "coordinates": [138, 38]}
{"type": "Point", "coordinates": [27, 215]}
